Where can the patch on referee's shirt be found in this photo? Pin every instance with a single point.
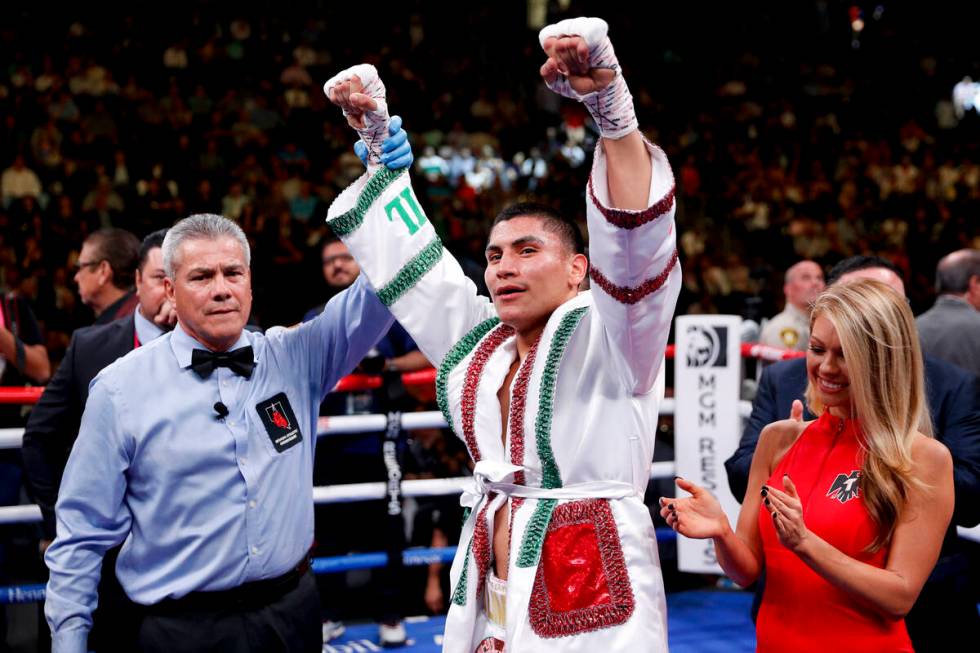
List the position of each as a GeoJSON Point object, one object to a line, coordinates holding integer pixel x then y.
{"type": "Point", "coordinates": [280, 422]}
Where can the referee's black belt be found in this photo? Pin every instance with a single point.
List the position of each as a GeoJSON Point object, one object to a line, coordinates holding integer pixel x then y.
{"type": "Point", "coordinates": [255, 594]}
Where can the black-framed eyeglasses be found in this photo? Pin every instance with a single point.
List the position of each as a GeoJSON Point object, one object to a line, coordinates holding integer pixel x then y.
{"type": "Point", "coordinates": [87, 264]}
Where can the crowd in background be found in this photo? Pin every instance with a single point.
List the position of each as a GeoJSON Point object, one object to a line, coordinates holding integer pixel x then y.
{"type": "Point", "coordinates": [820, 151]}
{"type": "Point", "coordinates": [790, 138]}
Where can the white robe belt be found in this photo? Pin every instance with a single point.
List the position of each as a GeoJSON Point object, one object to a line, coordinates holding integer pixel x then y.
{"type": "Point", "coordinates": [492, 476]}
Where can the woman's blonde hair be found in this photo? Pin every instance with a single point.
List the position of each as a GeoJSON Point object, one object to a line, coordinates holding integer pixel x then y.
{"type": "Point", "coordinates": [887, 389]}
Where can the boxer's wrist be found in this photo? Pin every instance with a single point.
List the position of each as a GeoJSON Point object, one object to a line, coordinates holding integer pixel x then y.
{"type": "Point", "coordinates": [612, 109]}
{"type": "Point", "coordinates": [612, 106]}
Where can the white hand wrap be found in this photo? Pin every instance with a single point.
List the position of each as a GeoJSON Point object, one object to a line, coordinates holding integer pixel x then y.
{"type": "Point", "coordinates": [375, 128]}
{"type": "Point", "coordinates": [612, 107]}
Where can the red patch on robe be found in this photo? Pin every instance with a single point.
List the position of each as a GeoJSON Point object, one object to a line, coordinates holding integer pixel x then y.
{"type": "Point", "coordinates": [581, 583]}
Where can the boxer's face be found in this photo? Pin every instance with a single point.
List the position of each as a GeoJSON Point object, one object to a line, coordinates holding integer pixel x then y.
{"type": "Point", "coordinates": [211, 290]}
{"type": "Point", "coordinates": [530, 272]}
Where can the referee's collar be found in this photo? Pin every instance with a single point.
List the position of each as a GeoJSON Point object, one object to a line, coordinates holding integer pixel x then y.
{"type": "Point", "coordinates": [183, 344]}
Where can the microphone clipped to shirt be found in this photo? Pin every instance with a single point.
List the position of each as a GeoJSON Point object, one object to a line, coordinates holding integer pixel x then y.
{"type": "Point", "coordinates": [221, 410]}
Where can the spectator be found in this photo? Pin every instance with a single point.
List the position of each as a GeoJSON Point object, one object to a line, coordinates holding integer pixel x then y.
{"type": "Point", "coordinates": [103, 195]}
{"type": "Point", "coordinates": [19, 181]}
{"type": "Point", "coordinates": [303, 206]}
{"type": "Point", "coordinates": [791, 327]}
{"type": "Point", "coordinates": [950, 330]}
{"type": "Point", "coordinates": [105, 272]}
{"type": "Point", "coordinates": [234, 202]}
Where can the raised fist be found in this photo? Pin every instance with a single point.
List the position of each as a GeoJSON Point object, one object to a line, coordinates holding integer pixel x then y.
{"type": "Point", "coordinates": [361, 94]}
{"type": "Point", "coordinates": [582, 65]}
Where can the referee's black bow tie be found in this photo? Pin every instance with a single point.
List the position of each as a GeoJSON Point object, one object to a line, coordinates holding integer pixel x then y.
{"type": "Point", "coordinates": [241, 361]}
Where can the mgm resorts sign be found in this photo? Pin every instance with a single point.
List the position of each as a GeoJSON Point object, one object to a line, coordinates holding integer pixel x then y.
{"type": "Point", "coordinates": [707, 426]}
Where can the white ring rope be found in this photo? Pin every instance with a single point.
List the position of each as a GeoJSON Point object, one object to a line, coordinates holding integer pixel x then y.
{"type": "Point", "coordinates": [352, 492]}
{"type": "Point", "coordinates": [431, 419]}
{"type": "Point", "coordinates": [345, 493]}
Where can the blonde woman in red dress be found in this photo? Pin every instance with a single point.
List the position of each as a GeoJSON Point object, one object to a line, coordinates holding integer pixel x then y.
{"type": "Point", "coordinates": [846, 514]}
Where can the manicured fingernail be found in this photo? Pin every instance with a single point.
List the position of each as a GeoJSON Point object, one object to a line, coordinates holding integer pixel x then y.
{"type": "Point", "coordinates": [676, 477]}
{"type": "Point", "coordinates": [765, 490]}
{"type": "Point", "coordinates": [670, 507]}
{"type": "Point", "coordinates": [767, 501]}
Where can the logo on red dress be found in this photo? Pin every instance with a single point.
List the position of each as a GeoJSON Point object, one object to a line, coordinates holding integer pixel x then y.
{"type": "Point", "coordinates": [845, 487]}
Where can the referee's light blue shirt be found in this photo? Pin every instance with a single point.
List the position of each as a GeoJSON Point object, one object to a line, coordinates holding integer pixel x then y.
{"type": "Point", "coordinates": [198, 503]}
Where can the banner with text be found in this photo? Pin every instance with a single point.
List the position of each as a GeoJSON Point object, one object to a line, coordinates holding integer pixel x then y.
{"type": "Point", "coordinates": [707, 378]}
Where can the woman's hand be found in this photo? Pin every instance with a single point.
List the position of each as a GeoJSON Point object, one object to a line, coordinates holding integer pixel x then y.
{"type": "Point", "coordinates": [786, 512]}
{"type": "Point", "coordinates": [699, 516]}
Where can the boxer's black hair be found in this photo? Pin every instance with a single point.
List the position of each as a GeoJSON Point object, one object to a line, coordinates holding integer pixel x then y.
{"type": "Point", "coordinates": [554, 221]}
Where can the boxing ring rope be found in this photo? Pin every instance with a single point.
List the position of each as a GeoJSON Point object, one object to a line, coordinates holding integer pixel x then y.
{"type": "Point", "coordinates": [346, 493]}
{"type": "Point", "coordinates": [11, 438]}
{"type": "Point", "coordinates": [358, 382]}
{"type": "Point", "coordinates": [345, 424]}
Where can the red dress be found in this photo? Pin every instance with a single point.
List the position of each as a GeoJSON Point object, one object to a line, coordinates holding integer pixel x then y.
{"type": "Point", "coordinates": [801, 611]}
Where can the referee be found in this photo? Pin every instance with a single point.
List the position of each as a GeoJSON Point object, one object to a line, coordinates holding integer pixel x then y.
{"type": "Point", "coordinates": [195, 453]}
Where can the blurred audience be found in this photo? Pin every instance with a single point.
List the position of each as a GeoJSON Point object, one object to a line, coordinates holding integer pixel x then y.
{"type": "Point", "coordinates": [124, 126]}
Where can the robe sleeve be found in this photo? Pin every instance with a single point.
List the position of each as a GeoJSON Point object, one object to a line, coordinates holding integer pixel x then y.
{"type": "Point", "coordinates": [381, 221]}
{"type": "Point", "coordinates": [634, 270]}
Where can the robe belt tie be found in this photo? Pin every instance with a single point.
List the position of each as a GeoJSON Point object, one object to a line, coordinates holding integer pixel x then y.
{"type": "Point", "coordinates": [493, 476]}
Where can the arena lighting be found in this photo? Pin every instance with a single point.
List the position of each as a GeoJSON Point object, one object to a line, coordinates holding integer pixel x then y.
{"type": "Point", "coordinates": [966, 96]}
{"type": "Point", "coordinates": [856, 16]}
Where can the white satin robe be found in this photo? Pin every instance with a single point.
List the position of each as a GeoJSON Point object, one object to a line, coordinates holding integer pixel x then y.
{"type": "Point", "coordinates": [584, 571]}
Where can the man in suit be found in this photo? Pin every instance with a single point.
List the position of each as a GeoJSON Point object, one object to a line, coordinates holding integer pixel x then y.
{"type": "Point", "coordinates": [950, 330]}
{"type": "Point", "coordinates": [104, 273]}
{"type": "Point", "coordinates": [54, 422]}
{"type": "Point", "coordinates": [945, 612]}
